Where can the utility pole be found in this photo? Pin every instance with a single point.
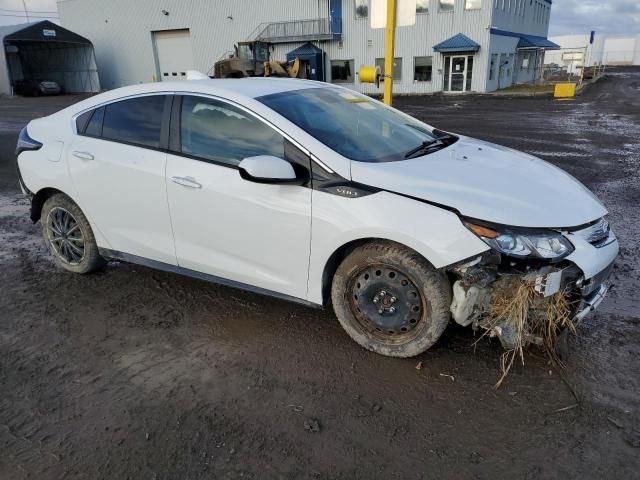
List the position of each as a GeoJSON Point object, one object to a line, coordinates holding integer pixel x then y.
{"type": "Point", "coordinates": [26, 12]}
{"type": "Point", "coordinates": [388, 20]}
{"type": "Point", "coordinates": [388, 51]}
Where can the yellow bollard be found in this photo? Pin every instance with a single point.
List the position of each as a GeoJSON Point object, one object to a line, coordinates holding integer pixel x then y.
{"type": "Point", "coordinates": [565, 90]}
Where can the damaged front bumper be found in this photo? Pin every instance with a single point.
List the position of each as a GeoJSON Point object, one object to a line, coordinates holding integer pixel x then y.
{"type": "Point", "coordinates": [590, 303]}
{"type": "Point", "coordinates": [581, 280]}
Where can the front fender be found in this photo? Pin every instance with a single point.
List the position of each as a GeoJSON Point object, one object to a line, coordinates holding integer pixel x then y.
{"type": "Point", "coordinates": [435, 233]}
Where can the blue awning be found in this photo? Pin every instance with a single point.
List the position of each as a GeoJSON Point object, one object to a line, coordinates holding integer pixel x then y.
{"type": "Point", "coordinates": [527, 41]}
{"type": "Point", "coordinates": [305, 50]}
{"type": "Point", "coordinates": [457, 43]}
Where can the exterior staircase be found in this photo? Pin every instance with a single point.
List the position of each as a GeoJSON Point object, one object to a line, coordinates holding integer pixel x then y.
{"type": "Point", "coordinates": [295, 31]}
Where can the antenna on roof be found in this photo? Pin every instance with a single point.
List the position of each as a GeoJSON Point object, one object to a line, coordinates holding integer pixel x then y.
{"type": "Point", "coordinates": [196, 75]}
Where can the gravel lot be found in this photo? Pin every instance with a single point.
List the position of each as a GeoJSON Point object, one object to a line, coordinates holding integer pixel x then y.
{"type": "Point", "coordinates": [134, 373]}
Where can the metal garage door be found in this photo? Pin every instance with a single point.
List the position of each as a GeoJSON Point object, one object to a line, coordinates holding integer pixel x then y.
{"type": "Point", "coordinates": [174, 55]}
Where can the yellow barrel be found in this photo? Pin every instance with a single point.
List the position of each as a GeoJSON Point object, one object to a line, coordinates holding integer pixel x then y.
{"type": "Point", "coordinates": [565, 90]}
{"type": "Point", "coordinates": [369, 74]}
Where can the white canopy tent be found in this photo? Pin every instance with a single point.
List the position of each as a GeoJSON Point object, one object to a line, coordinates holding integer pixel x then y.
{"type": "Point", "coordinates": [46, 51]}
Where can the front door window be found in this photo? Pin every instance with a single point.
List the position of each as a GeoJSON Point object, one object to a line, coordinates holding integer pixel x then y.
{"type": "Point", "coordinates": [458, 70]}
{"type": "Point", "coordinates": [217, 131]}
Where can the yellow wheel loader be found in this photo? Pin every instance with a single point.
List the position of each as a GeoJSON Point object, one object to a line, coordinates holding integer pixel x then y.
{"type": "Point", "coordinates": [251, 59]}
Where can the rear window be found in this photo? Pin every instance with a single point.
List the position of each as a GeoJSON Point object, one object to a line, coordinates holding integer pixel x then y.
{"type": "Point", "coordinates": [137, 121]}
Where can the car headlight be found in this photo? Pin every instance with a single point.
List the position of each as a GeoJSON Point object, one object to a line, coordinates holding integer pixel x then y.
{"type": "Point", "coordinates": [549, 245]}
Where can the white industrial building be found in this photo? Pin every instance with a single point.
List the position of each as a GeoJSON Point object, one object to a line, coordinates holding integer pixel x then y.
{"type": "Point", "coordinates": [454, 46]}
{"type": "Point", "coordinates": [594, 50]}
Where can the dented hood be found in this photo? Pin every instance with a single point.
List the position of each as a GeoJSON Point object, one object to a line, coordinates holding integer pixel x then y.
{"type": "Point", "coordinates": [488, 182]}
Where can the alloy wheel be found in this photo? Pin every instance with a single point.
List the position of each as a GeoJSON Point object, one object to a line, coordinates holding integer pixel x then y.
{"type": "Point", "coordinates": [65, 236]}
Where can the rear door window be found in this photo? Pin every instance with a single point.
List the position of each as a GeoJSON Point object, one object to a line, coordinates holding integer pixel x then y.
{"type": "Point", "coordinates": [82, 120]}
{"type": "Point", "coordinates": [136, 121]}
{"type": "Point", "coordinates": [222, 133]}
{"type": "Point", "coordinates": [94, 127]}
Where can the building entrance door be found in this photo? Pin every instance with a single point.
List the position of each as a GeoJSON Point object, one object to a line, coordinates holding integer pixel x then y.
{"type": "Point", "coordinates": [457, 73]}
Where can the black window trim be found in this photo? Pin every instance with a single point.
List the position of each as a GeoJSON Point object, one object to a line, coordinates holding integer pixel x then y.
{"type": "Point", "coordinates": [171, 117]}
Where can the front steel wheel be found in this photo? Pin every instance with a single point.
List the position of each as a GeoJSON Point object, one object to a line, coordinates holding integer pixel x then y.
{"type": "Point", "coordinates": [391, 300]}
{"type": "Point", "coordinates": [386, 303]}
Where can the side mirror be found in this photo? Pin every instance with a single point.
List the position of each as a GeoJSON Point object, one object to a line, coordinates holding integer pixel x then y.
{"type": "Point", "coordinates": [268, 169]}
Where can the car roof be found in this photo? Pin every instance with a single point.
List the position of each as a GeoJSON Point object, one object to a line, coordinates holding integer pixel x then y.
{"type": "Point", "coordinates": [252, 87]}
{"type": "Point", "coordinates": [230, 88]}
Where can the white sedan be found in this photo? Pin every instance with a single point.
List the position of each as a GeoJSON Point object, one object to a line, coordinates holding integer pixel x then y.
{"type": "Point", "coordinates": [313, 193]}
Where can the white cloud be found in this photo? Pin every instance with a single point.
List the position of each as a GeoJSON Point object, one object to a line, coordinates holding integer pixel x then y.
{"type": "Point", "coordinates": [605, 17]}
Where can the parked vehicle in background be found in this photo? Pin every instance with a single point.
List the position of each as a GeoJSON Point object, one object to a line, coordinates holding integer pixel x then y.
{"type": "Point", "coordinates": [35, 88]}
{"type": "Point", "coordinates": [317, 194]}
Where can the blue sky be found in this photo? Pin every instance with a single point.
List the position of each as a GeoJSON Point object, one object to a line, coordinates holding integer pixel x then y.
{"type": "Point", "coordinates": [620, 17]}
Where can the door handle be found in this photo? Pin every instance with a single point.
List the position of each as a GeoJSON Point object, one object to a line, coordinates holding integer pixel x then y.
{"type": "Point", "coordinates": [186, 182]}
{"type": "Point", "coordinates": [82, 155]}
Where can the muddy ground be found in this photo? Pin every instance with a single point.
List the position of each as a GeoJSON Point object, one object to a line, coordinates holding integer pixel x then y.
{"type": "Point", "coordinates": [134, 373]}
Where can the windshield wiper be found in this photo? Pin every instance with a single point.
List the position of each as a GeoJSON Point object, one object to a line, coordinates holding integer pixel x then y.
{"type": "Point", "coordinates": [423, 147]}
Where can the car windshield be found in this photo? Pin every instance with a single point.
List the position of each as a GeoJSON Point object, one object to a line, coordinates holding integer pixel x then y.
{"type": "Point", "coordinates": [353, 124]}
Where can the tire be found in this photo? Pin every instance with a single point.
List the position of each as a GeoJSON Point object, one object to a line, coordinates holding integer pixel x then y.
{"type": "Point", "coordinates": [69, 236]}
{"type": "Point", "coordinates": [414, 298]}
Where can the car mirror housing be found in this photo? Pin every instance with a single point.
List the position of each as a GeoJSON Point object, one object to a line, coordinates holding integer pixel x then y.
{"type": "Point", "coordinates": [268, 169]}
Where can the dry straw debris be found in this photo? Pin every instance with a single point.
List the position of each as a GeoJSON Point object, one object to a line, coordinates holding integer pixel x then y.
{"type": "Point", "coordinates": [532, 318]}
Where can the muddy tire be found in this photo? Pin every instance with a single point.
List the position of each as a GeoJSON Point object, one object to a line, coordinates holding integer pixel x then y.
{"type": "Point", "coordinates": [69, 236]}
{"type": "Point", "coordinates": [390, 300]}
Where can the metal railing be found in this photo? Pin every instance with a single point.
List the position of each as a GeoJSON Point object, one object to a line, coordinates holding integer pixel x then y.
{"type": "Point", "coordinates": [292, 30]}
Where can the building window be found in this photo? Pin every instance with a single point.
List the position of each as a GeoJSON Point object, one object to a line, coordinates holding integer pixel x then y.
{"type": "Point", "coordinates": [492, 67]}
{"type": "Point", "coordinates": [342, 71]}
{"type": "Point", "coordinates": [422, 6]}
{"type": "Point", "coordinates": [445, 5]}
{"type": "Point", "coordinates": [397, 68]}
{"type": "Point", "coordinates": [473, 4]}
{"type": "Point", "coordinates": [422, 69]}
{"type": "Point", "coordinates": [362, 8]}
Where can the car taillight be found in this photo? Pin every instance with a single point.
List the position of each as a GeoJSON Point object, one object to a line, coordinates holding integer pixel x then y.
{"type": "Point", "coordinates": [25, 142]}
